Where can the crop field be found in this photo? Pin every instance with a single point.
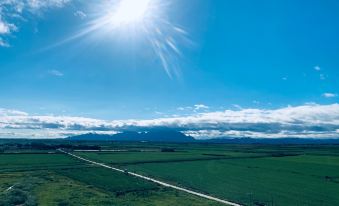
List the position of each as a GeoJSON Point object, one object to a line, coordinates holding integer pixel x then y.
{"type": "Point", "coordinates": [266, 181]}
{"type": "Point", "coordinates": [26, 162]}
{"type": "Point", "coordinates": [57, 179]}
{"type": "Point", "coordinates": [246, 174]}
{"type": "Point", "coordinates": [102, 178]}
{"type": "Point", "coordinates": [182, 154]}
{"type": "Point", "coordinates": [144, 157]}
{"type": "Point", "coordinates": [250, 175]}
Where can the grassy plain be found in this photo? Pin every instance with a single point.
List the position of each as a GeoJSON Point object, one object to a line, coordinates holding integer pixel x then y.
{"type": "Point", "coordinates": [248, 174]}
{"type": "Point", "coordinates": [17, 161]}
{"type": "Point", "coordinates": [57, 179]}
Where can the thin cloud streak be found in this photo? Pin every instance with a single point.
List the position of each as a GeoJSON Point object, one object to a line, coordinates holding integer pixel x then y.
{"type": "Point", "coordinates": [56, 73]}
{"type": "Point", "coordinates": [330, 95]}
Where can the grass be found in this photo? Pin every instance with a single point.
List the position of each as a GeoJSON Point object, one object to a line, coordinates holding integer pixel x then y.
{"type": "Point", "coordinates": [298, 180]}
{"type": "Point", "coordinates": [140, 157]}
{"type": "Point", "coordinates": [66, 191]}
{"type": "Point", "coordinates": [108, 180]}
{"type": "Point", "coordinates": [248, 174]}
{"type": "Point", "coordinates": [127, 158]}
{"type": "Point", "coordinates": [12, 162]}
{"type": "Point", "coordinates": [49, 188]}
{"type": "Point", "coordinates": [55, 184]}
{"type": "Point", "coordinates": [16, 189]}
{"type": "Point", "coordinates": [78, 193]}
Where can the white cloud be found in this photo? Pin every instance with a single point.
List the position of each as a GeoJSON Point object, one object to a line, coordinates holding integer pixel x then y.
{"type": "Point", "coordinates": [311, 120]}
{"type": "Point", "coordinates": [42, 4]}
{"type": "Point", "coordinates": [9, 112]}
{"type": "Point", "coordinates": [317, 68]}
{"type": "Point", "coordinates": [207, 134]}
{"type": "Point", "coordinates": [200, 107]}
{"type": "Point", "coordinates": [330, 95]}
{"type": "Point", "coordinates": [185, 108]}
{"type": "Point", "coordinates": [4, 28]}
{"type": "Point", "coordinates": [80, 14]}
{"type": "Point", "coordinates": [56, 73]}
{"type": "Point", "coordinates": [13, 10]}
{"type": "Point", "coordinates": [45, 134]}
{"type": "Point", "coordinates": [255, 102]}
{"type": "Point", "coordinates": [3, 43]}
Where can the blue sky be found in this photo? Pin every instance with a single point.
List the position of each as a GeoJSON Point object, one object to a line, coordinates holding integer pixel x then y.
{"type": "Point", "coordinates": [228, 55]}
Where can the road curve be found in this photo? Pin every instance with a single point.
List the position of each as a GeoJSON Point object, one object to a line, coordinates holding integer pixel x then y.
{"type": "Point", "coordinates": [154, 180]}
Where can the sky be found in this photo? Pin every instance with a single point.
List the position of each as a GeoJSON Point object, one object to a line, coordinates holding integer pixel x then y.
{"type": "Point", "coordinates": [209, 68]}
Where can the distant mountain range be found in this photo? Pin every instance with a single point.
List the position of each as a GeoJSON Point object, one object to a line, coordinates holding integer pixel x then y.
{"type": "Point", "coordinates": [151, 136]}
{"type": "Point", "coordinates": [176, 136]}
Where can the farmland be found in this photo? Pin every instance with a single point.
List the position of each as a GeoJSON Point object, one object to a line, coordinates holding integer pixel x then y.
{"type": "Point", "coordinates": [283, 181]}
{"type": "Point", "coordinates": [245, 174]}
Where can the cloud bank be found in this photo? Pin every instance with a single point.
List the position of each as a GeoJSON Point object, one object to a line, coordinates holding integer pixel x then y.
{"type": "Point", "coordinates": [306, 121]}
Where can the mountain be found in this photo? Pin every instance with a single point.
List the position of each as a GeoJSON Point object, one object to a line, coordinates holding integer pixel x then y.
{"type": "Point", "coordinates": [152, 136]}
{"type": "Point", "coordinates": [166, 135]}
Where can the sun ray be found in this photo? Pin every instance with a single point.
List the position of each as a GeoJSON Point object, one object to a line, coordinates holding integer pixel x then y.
{"type": "Point", "coordinates": [148, 19]}
{"type": "Point", "coordinates": [131, 11]}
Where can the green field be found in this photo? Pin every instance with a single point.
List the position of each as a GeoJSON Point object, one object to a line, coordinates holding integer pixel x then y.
{"type": "Point", "coordinates": [57, 179]}
{"type": "Point", "coordinates": [277, 181]}
{"type": "Point", "coordinates": [13, 162]}
{"type": "Point", "coordinates": [185, 153]}
{"type": "Point", "coordinates": [102, 178]}
{"type": "Point", "coordinates": [246, 174]}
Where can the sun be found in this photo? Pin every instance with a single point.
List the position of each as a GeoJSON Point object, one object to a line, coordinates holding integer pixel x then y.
{"type": "Point", "coordinates": [138, 23]}
{"type": "Point", "coordinates": [131, 11]}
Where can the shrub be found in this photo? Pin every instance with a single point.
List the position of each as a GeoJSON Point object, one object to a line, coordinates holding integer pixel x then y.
{"type": "Point", "coordinates": [63, 203]}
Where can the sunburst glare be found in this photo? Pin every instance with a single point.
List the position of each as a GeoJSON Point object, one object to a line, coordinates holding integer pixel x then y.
{"type": "Point", "coordinates": [131, 11]}
{"type": "Point", "coordinates": [144, 19]}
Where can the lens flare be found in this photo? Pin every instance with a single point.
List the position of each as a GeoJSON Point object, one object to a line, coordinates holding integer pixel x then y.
{"type": "Point", "coordinates": [147, 19]}
{"type": "Point", "coordinates": [131, 11]}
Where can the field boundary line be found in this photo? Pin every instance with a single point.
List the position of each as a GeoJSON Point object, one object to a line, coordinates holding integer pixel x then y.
{"type": "Point", "coordinates": [154, 180]}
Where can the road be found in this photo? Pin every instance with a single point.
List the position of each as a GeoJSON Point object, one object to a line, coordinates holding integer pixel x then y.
{"type": "Point", "coordinates": [8, 189]}
{"type": "Point", "coordinates": [154, 180]}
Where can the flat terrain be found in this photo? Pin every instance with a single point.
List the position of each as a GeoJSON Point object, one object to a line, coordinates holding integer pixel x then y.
{"type": "Point", "coordinates": [305, 180]}
{"type": "Point", "coordinates": [245, 174]}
